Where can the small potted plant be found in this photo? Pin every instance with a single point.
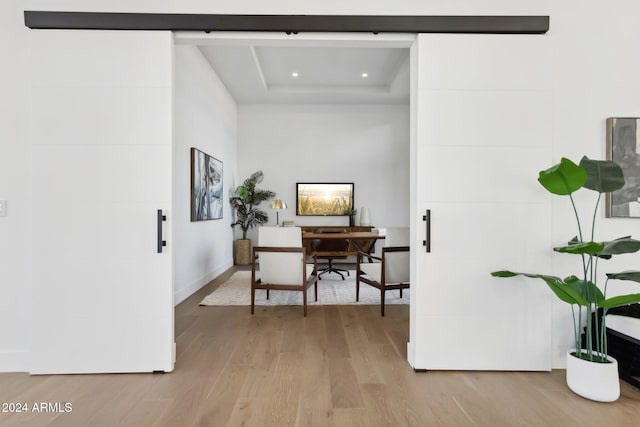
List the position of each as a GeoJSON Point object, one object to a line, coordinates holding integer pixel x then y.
{"type": "Point", "coordinates": [351, 213]}
{"type": "Point", "coordinates": [589, 359]}
{"type": "Point", "coordinates": [245, 202]}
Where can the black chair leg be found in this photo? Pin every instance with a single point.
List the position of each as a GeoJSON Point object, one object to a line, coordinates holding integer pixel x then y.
{"type": "Point", "coordinates": [332, 269]}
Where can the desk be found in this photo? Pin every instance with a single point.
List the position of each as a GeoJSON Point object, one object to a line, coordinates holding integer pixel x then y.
{"type": "Point", "coordinates": [359, 241]}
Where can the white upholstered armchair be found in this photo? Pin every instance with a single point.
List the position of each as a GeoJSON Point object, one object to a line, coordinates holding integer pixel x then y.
{"type": "Point", "coordinates": [279, 263]}
{"type": "Point", "coordinates": [390, 271]}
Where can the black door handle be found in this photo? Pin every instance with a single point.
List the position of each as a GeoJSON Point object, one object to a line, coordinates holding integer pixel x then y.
{"type": "Point", "coordinates": [427, 218]}
{"type": "Point", "coordinates": [161, 219]}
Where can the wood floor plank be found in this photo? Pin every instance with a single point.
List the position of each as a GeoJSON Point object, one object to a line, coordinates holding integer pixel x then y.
{"type": "Point", "coordinates": [246, 413]}
{"type": "Point", "coordinates": [314, 322]}
{"type": "Point", "coordinates": [374, 324]}
{"type": "Point", "coordinates": [286, 383]}
{"type": "Point", "coordinates": [293, 336]}
{"type": "Point", "coordinates": [587, 412]}
{"type": "Point", "coordinates": [400, 380]}
{"type": "Point", "coordinates": [336, 341]}
{"type": "Point", "coordinates": [314, 417]}
{"type": "Point", "coordinates": [477, 409]}
{"type": "Point", "coordinates": [315, 405]}
{"type": "Point", "coordinates": [516, 403]}
{"type": "Point", "coordinates": [390, 408]}
{"type": "Point", "coordinates": [278, 412]}
{"type": "Point", "coordinates": [354, 417]}
{"type": "Point", "coordinates": [438, 390]}
{"type": "Point", "coordinates": [145, 412]}
{"type": "Point", "coordinates": [345, 390]}
{"type": "Point", "coordinates": [394, 369]}
{"type": "Point", "coordinates": [364, 364]}
{"type": "Point", "coordinates": [216, 406]}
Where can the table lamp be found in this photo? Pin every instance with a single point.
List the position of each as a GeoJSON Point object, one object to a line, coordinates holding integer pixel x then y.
{"type": "Point", "coordinates": [278, 204]}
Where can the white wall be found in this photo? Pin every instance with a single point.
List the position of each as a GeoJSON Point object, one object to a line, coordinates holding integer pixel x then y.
{"type": "Point", "coordinates": [364, 144]}
{"type": "Point", "coordinates": [15, 232]}
{"type": "Point", "coordinates": [596, 72]}
{"type": "Point", "coordinates": [205, 118]}
{"type": "Point", "coordinates": [595, 76]}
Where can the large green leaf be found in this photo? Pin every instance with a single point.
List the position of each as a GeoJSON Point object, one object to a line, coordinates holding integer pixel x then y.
{"type": "Point", "coordinates": [603, 176]}
{"type": "Point", "coordinates": [620, 301]}
{"type": "Point", "coordinates": [562, 291]}
{"type": "Point", "coordinates": [507, 273]}
{"type": "Point", "coordinates": [632, 275]}
{"type": "Point", "coordinates": [563, 178]}
{"type": "Point", "coordinates": [623, 245]}
{"type": "Point", "coordinates": [586, 248]}
{"type": "Point", "coordinates": [588, 290]}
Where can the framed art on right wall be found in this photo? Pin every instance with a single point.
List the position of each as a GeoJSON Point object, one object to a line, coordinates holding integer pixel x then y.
{"type": "Point", "coordinates": [623, 135]}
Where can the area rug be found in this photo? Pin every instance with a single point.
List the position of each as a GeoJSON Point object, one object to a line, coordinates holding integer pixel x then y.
{"type": "Point", "coordinates": [237, 291]}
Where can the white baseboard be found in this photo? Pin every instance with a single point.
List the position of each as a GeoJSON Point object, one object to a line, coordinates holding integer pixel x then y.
{"type": "Point", "coordinates": [14, 361]}
{"type": "Point", "coordinates": [185, 292]}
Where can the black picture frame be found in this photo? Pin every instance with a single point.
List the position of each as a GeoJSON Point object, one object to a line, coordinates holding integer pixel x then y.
{"type": "Point", "coordinates": [206, 186]}
{"type": "Point", "coordinates": [623, 147]}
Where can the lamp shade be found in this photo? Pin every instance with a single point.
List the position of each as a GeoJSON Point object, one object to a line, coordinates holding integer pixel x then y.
{"type": "Point", "coordinates": [278, 204]}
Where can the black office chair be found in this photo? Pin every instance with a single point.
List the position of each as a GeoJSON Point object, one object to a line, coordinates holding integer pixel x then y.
{"type": "Point", "coordinates": [333, 246]}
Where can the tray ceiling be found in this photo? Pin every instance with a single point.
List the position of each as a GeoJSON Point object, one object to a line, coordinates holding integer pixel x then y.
{"type": "Point", "coordinates": [265, 74]}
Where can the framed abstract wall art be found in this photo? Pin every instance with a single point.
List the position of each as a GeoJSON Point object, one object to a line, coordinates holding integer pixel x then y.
{"type": "Point", "coordinates": [206, 186]}
{"type": "Point", "coordinates": [623, 147]}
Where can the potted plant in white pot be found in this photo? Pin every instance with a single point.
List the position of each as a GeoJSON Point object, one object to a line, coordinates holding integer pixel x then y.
{"type": "Point", "coordinates": [591, 372]}
{"type": "Point", "coordinates": [245, 201]}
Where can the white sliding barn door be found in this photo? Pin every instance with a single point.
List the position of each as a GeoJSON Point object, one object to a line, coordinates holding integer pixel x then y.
{"type": "Point", "coordinates": [482, 131]}
{"type": "Point", "coordinates": [101, 126]}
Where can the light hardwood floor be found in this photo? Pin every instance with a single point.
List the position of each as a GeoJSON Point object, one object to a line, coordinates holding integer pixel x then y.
{"type": "Point", "coordinates": [340, 366]}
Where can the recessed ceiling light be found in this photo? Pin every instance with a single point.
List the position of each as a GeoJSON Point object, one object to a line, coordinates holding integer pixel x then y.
{"type": "Point", "coordinates": [365, 75]}
{"type": "Point", "coordinates": [294, 74]}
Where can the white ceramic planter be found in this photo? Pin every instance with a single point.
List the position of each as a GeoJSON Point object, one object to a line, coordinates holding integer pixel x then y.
{"type": "Point", "coordinates": [594, 381]}
{"type": "Point", "coordinates": [365, 220]}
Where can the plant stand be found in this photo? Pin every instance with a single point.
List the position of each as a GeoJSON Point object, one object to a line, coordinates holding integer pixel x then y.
{"type": "Point", "coordinates": [592, 380]}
